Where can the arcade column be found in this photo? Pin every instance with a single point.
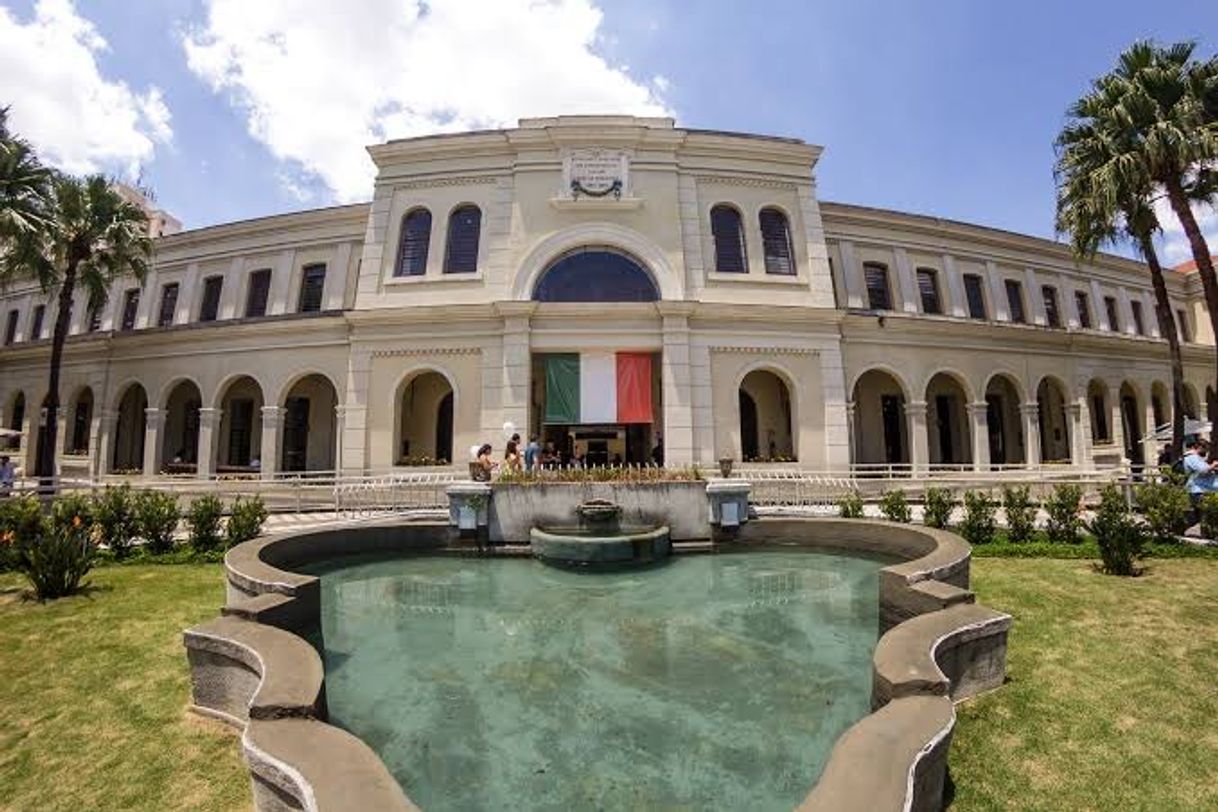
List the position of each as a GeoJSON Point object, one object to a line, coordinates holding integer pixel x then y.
{"type": "Point", "coordinates": [677, 385]}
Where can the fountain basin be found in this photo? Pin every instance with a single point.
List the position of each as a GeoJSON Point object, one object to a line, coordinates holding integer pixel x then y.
{"type": "Point", "coordinates": [586, 547]}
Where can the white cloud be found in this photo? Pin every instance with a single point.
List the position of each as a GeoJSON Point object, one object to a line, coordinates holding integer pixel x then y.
{"type": "Point", "coordinates": [321, 80]}
{"type": "Point", "coordinates": [77, 119]}
{"type": "Point", "coordinates": [1174, 242]}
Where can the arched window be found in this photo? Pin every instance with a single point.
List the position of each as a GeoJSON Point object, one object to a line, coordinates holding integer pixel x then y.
{"type": "Point", "coordinates": [728, 233]}
{"type": "Point", "coordinates": [412, 248]}
{"type": "Point", "coordinates": [776, 243]}
{"type": "Point", "coordinates": [595, 275]}
{"type": "Point", "coordinates": [461, 254]}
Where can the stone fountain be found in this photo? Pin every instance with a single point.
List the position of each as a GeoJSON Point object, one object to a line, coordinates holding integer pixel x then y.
{"type": "Point", "coordinates": [599, 539]}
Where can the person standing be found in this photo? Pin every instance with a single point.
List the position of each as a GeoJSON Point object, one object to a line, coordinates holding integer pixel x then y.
{"type": "Point", "coordinates": [511, 455]}
{"type": "Point", "coordinates": [532, 452]}
{"type": "Point", "coordinates": [1201, 473]}
{"type": "Point", "coordinates": [8, 473]}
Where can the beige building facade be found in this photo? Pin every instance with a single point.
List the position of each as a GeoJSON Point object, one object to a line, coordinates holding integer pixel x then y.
{"type": "Point", "coordinates": [397, 334]}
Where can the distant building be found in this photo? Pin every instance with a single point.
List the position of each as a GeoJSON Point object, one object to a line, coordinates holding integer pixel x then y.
{"type": "Point", "coordinates": [160, 222]}
{"type": "Point", "coordinates": [609, 284]}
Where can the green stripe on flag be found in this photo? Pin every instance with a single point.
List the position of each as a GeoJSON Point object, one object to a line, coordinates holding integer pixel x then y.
{"type": "Point", "coordinates": [562, 388]}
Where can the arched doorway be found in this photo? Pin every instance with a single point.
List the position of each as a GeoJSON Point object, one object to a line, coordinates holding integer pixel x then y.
{"type": "Point", "coordinates": [309, 425]}
{"type": "Point", "coordinates": [948, 436]}
{"type": "Point", "coordinates": [80, 423]}
{"type": "Point", "coordinates": [1191, 402]}
{"type": "Point", "coordinates": [767, 430]}
{"type": "Point", "coordinates": [1131, 425]}
{"type": "Point", "coordinates": [1160, 405]}
{"type": "Point", "coordinates": [16, 421]}
{"type": "Point", "coordinates": [595, 274]}
{"type": "Point", "coordinates": [180, 441]}
{"type": "Point", "coordinates": [129, 431]}
{"type": "Point", "coordinates": [880, 433]}
{"type": "Point", "coordinates": [424, 420]}
{"type": "Point", "coordinates": [240, 436]}
{"type": "Point", "coordinates": [1054, 428]}
{"type": "Point", "coordinates": [1100, 412]}
{"type": "Point", "coordinates": [1003, 422]}
{"type": "Point", "coordinates": [44, 414]}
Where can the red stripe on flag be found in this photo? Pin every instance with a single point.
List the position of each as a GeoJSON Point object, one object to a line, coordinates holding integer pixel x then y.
{"type": "Point", "coordinates": [634, 387]}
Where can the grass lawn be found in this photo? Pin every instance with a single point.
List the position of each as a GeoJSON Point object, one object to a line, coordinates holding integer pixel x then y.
{"type": "Point", "coordinates": [1112, 701]}
{"type": "Point", "coordinates": [93, 692]}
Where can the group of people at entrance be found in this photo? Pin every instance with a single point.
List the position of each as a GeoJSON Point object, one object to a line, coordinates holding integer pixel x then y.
{"type": "Point", "coordinates": [534, 457]}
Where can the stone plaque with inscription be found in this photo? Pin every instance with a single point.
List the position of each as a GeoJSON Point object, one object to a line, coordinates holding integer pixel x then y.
{"type": "Point", "coordinates": [596, 173]}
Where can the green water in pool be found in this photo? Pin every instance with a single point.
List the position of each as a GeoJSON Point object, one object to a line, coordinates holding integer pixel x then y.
{"type": "Point", "coordinates": [711, 682]}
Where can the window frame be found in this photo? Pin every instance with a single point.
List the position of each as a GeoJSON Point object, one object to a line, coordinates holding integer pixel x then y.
{"type": "Point", "coordinates": [1182, 326]}
{"type": "Point", "coordinates": [309, 273]}
{"type": "Point", "coordinates": [209, 311]}
{"type": "Point", "coordinates": [169, 295]}
{"type": "Point", "coordinates": [1082, 309]}
{"type": "Point", "coordinates": [250, 289]}
{"type": "Point", "coordinates": [10, 327]}
{"type": "Point", "coordinates": [719, 241]}
{"type": "Point", "coordinates": [37, 320]}
{"type": "Point", "coordinates": [131, 307]}
{"type": "Point", "coordinates": [933, 275]}
{"type": "Point", "coordinates": [1139, 317]}
{"type": "Point", "coordinates": [1017, 311]}
{"type": "Point", "coordinates": [1053, 313]}
{"type": "Point", "coordinates": [1112, 313]}
{"type": "Point", "coordinates": [881, 268]}
{"type": "Point", "coordinates": [422, 254]}
{"type": "Point", "coordinates": [783, 240]}
{"type": "Point", "coordinates": [978, 286]}
{"type": "Point", "coordinates": [452, 247]}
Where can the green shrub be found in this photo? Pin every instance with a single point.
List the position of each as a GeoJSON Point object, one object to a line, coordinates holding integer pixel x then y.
{"type": "Point", "coordinates": [1166, 507]}
{"type": "Point", "coordinates": [1119, 535]}
{"type": "Point", "coordinates": [203, 519]}
{"type": "Point", "coordinates": [67, 509]}
{"type": "Point", "coordinates": [1208, 508]}
{"type": "Point", "coordinates": [245, 520]}
{"type": "Point", "coordinates": [20, 523]}
{"type": "Point", "coordinates": [1020, 511]}
{"type": "Point", "coordinates": [114, 515]}
{"type": "Point", "coordinates": [156, 519]}
{"type": "Point", "coordinates": [937, 507]}
{"type": "Point", "coordinates": [894, 507]}
{"type": "Point", "coordinates": [1064, 523]}
{"type": "Point", "coordinates": [850, 506]}
{"type": "Point", "coordinates": [59, 558]}
{"type": "Point", "coordinates": [978, 524]}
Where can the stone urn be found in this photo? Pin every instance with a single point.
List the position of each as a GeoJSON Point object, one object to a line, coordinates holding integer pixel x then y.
{"type": "Point", "coordinates": [725, 466]}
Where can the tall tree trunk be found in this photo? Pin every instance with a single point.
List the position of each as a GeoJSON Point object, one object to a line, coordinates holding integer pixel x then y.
{"type": "Point", "coordinates": [1167, 329]}
{"type": "Point", "coordinates": [1205, 267]}
{"type": "Point", "coordinates": [44, 460]}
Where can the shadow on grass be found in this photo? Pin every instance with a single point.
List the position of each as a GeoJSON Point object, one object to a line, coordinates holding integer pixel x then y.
{"type": "Point", "coordinates": [25, 594]}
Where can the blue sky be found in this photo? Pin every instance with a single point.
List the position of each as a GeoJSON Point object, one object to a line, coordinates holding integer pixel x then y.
{"type": "Point", "coordinates": [943, 108]}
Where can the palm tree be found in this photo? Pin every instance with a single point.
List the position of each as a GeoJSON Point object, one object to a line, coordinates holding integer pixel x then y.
{"type": "Point", "coordinates": [90, 238]}
{"type": "Point", "coordinates": [1100, 204]}
{"type": "Point", "coordinates": [1167, 105]}
{"type": "Point", "coordinates": [24, 186]}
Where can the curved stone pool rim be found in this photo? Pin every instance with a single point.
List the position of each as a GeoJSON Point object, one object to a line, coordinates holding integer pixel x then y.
{"type": "Point", "coordinates": [252, 669]}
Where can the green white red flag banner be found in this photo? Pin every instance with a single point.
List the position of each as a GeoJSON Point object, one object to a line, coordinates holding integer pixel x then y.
{"type": "Point", "coordinates": [598, 387]}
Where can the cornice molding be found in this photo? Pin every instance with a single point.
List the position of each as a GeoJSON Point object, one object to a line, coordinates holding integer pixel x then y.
{"type": "Point", "coordinates": [767, 350]}
{"type": "Point", "coordinates": [393, 352]}
{"type": "Point", "coordinates": [752, 181]}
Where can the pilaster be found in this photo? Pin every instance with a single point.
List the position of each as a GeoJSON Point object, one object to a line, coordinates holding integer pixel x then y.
{"type": "Point", "coordinates": [676, 382]}
{"type": "Point", "coordinates": [209, 420]}
{"type": "Point", "coordinates": [272, 425]}
{"type": "Point", "coordinates": [154, 421]}
{"type": "Point", "coordinates": [919, 441]}
{"type": "Point", "coordinates": [852, 275]}
{"type": "Point", "coordinates": [1030, 412]}
{"type": "Point", "coordinates": [979, 430]}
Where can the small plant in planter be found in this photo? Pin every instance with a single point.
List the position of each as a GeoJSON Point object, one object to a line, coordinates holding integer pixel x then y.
{"type": "Point", "coordinates": [156, 519]}
{"type": "Point", "coordinates": [1020, 511]}
{"type": "Point", "coordinates": [978, 524]}
{"type": "Point", "coordinates": [850, 506]}
{"type": "Point", "coordinates": [203, 519]}
{"type": "Point", "coordinates": [895, 508]}
{"type": "Point", "coordinates": [114, 515]}
{"type": "Point", "coordinates": [1064, 523]}
{"type": "Point", "coordinates": [937, 507]}
{"type": "Point", "coordinates": [245, 520]}
{"type": "Point", "coordinates": [1120, 536]}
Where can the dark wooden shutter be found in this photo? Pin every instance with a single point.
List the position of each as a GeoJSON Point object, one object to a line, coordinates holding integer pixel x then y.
{"type": "Point", "coordinates": [212, 287]}
{"type": "Point", "coordinates": [169, 303]}
{"type": "Point", "coordinates": [928, 288]}
{"type": "Point", "coordinates": [312, 283]}
{"type": "Point", "coordinates": [464, 229]}
{"type": "Point", "coordinates": [975, 296]}
{"type": "Point", "coordinates": [1015, 301]}
{"type": "Point", "coordinates": [728, 234]}
{"type": "Point", "coordinates": [259, 293]}
{"type": "Point", "coordinates": [1052, 315]}
{"type": "Point", "coordinates": [776, 243]}
{"type": "Point", "coordinates": [879, 296]}
{"type": "Point", "coordinates": [412, 249]}
{"type": "Point", "coordinates": [1084, 309]}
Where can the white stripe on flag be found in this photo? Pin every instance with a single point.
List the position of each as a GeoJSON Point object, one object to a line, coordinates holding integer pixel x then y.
{"type": "Point", "coordinates": [597, 387]}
